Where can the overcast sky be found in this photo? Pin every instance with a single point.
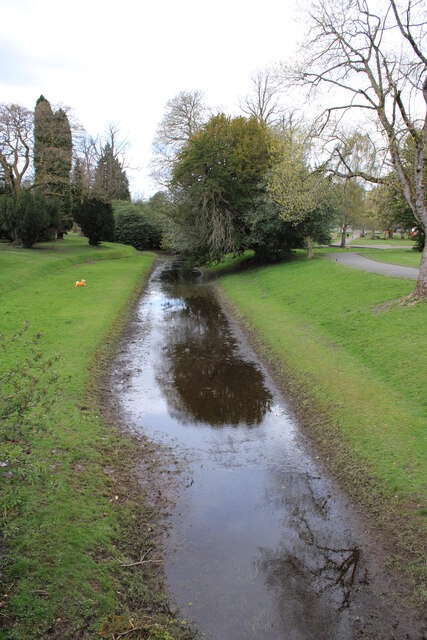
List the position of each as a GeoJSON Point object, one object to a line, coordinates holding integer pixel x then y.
{"type": "Point", "coordinates": [122, 61]}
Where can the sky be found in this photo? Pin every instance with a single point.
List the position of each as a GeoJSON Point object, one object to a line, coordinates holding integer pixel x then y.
{"type": "Point", "coordinates": [120, 62]}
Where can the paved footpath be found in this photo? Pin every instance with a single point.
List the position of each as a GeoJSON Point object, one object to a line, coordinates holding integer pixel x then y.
{"type": "Point", "coordinates": [367, 264]}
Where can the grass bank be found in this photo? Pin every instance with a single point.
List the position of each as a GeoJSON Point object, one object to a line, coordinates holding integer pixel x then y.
{"type": "Point", "coordinates": [71, 511]}
{"type": "Point", "coordinates": [355, 366]}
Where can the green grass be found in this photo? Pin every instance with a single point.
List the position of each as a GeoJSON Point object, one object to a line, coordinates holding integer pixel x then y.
{"type": "Point", "coordinates": [396, 241]}
{"type": "Point", "coordinates": [60, 516]}
{"type": "Point", "coordinates": [335, 341]}
{"type": "Point", "coordinates": [405, 257]}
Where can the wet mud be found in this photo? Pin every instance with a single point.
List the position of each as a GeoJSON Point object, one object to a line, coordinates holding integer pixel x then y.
{"type": "Point", "coordinates": [261, 544]}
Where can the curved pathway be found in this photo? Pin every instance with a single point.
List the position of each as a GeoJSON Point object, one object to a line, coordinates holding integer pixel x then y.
{"type": "Point", "coordinates": [357, 261]}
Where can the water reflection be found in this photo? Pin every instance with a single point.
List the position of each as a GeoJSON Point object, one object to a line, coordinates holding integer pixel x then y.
{"type": "Point", "coordinates": [261, 546]}
{"type": "Point", "coordinates": [200, 371]}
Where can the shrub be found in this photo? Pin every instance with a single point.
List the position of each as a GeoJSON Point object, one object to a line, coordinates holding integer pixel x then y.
{"type": "Point", "coordinates": [136, 225]}
{"type": "Point", "coordinates": [95, 219]}
{"type": "Point", "coordinates": [28, 218]}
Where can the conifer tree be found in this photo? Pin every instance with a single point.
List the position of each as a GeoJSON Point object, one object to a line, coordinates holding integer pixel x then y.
{"type": "Point", "coordinates": [111, 182]}
{"type": "Point", "coordinates": [53, 158]}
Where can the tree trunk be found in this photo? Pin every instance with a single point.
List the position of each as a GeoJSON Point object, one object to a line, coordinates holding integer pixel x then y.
{"type": "Point", "coordinates": [309, 247]}
{"type": "Point", "coordinates": [60, 235]}
{"type": "Point", "coordinates": [420, 291]}
{"type": "Point", "coordinates": [344, 231]}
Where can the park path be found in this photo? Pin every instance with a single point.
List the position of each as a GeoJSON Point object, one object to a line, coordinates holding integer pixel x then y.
{"type": "Point", "coordinates": [357, 261]}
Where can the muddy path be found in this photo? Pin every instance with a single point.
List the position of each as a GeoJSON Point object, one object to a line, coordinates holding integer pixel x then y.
{"type": "Point", "coordinates": [260, 543]}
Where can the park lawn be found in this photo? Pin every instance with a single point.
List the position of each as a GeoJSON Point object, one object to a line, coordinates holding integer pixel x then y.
{"type": "Point", "coordinates": [406, 257]}
{"type": "Point", "coordinates": [60, 515]}
{"type": "Point", "coordinates": [337, 343]}
{"type": "Point", "coordinates": [396, 241]}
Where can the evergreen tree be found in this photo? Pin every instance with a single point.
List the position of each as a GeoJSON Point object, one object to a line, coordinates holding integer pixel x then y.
{"type": "Point", "coordinates": [96, 219]}
{"type": "Point", "coordinates": [62, 161]}
{"type": "Point", "coordinates": [111, 182]}
{"type": "Point", "coordinates": [77, 184]}
{"type": "Point", "coordinates": [35, 217]}
{"type": "Point", "coordinates": [53, 148]}
{"type": "Point", "coordinates": [43, 142]}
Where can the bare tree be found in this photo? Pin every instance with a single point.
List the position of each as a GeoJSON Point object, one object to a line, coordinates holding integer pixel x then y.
{"type": "Point", "coordinates": [16, 133]}
{"type": "Point", "coordinates": [184, 115]}
{"type": "Point", "coordinates": [369, 58]}
{"type": "Point", "coordinates": [263, 102]}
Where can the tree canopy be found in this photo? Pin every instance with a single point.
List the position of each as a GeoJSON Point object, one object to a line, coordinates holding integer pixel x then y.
{"type": "Point", "coordinates": [216, 178]}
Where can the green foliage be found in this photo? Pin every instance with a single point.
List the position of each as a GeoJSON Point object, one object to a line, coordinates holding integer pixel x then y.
{"type": "Point", "coordinates": [8, 217]}
{"type": "Point", "coordinates": [136, 225]}
{"type": "Point", "coordinates": [270, 236]}
{"type": "Point", "coordinates": [303, 196]}
{"type": "Point", "coordinates": [216, 178]}
{"type": "Point", "coordinates": [111, 182]}
{"type": "Point", "coordinates": [96, 220]}
{"type": "Point", "coordinates": [77, 184]}
{"type": "Point", "coordinates": [53, 149]}
{"type": "Point", "coordinates": [27, 218]}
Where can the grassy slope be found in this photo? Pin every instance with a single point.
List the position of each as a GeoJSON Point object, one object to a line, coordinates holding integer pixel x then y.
{"type": "Point", "coordinates": [330, 333]}
{"type": "Point", "coordinates": [60, 514]}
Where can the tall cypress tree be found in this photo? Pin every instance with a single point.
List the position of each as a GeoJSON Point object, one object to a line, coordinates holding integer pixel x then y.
{"type": "Point", "coordinates": [43, 142]}
{"type": "Point", "coordinates": [53, 147]}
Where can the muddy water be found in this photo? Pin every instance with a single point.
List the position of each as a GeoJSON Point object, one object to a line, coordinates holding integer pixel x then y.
{"type": "Point", "coordinates": [262, 545]}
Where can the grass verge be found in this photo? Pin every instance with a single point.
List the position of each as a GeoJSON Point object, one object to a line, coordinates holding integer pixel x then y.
{"type": "Point", "coordinates": [354, 363]}
{"type": "Point", "coordinates": [72, 511]}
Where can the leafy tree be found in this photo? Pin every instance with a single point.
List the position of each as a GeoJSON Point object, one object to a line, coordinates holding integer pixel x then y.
{"type": "Point", "coordinates": [271, 237]}
{"type": "Point", "coordinates": [111, 182]}
{"type": "Point", "coordinates": [389, 208]}
{"type": "Point", "coordinates": [301, 194]}
{"type": "Point", "coordinates": [96, 220]}
{"type": "Point", "coordinates": [216, 178]}
{"type": "Point", "coordinates": [136, 225]}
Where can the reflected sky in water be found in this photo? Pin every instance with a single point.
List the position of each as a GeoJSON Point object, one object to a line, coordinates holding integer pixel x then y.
{"type": "Point", "coordinates": [262, 547]}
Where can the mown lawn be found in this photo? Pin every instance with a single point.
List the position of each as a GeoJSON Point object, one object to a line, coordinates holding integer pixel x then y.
{"type": "Point", "coordinates": [342, 344]}
{"type": "Point", "coordinates": [396, 241]}
{"type": "Point", "coordinates": [406, 257]}
{"type": "Point", "coordinates": [62, 498]}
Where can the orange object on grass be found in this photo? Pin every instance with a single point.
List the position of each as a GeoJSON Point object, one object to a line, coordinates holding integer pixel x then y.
{"type": "Point", "coordinates": [81, 283]}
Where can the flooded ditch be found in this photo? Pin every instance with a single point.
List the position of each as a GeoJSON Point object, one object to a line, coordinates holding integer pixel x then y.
{"type": "Point", "coordinates": [261, 544]}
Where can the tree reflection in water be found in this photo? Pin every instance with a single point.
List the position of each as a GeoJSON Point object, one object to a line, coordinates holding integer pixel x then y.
{"type": "Point", "coordinates": [200, 371]}
{"type": "Point", "coordinates": [316, 579]}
